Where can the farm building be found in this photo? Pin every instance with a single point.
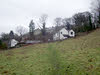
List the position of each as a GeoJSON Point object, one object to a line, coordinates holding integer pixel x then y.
{"type": "Point", "coordinates": [63, 34]}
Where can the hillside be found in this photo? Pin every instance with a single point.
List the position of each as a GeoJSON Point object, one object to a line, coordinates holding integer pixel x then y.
{"type": "Point", "coordinates": [78, 56]}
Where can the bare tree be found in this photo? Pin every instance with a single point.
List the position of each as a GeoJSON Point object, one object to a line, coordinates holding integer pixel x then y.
{"type": "Point", "coordinates": [42, 20]}
{"type": "Point", "coordinates": [67, 22]}
{"type": "Point", "coordinates": [21, 31]}
{"type": "Point", "coordinates": [58, 22]}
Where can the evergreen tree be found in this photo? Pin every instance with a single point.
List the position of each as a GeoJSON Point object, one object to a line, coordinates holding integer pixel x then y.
{"type": "Point", "coordinates": [44, 30]}
{"type": "Point", "coordinates": [68, 26]}
{"type": "Point", "coordinates": [31, 29]}
{"type": "Point", "coordinates": [42, 20]}
{"type": "Point", "coordinates": [90, 23]}
{"type": "Point", "coordinates": [11, 35]}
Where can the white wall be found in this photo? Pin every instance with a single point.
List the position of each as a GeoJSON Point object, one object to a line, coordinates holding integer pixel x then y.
{"type": "Point", "coordinates": [56, 36]}
{"type": "Point", "coordinates": [64, 32]}
{"type": "Point", "coordinates": [61, 32]}
{"type": "Point", "coordinates": [71, 35]}
{"type": "Point", "coordinates": [13, 43]}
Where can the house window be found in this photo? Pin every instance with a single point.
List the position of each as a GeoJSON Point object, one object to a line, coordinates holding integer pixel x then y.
{"type": "Point", "coordinates": [71, 33]}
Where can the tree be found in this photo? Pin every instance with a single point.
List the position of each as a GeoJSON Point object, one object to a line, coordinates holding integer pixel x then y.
{"type": "Point", "coordinates": [96, 10]}
{"type": "Point", "coordinates": [31, 29]}
{"type": "Point", "coordinates": [67, 23]}
{"type": "Point", "coordinates": [42, 20]}
{"type": "Point", "coordinates": [79, 19]}
{"type": "Point", "coordinates": [5, 37]}
{"type": "Point", "coordinates": [82, 21]}
{"type": "Point", "coordinates": [17, 37]}
{"type": "Point", "coordinates": [21, 31]}
{"type": "Point", "coordinates": [58, 22]}
{"type": "Point", "coordinates": [11, 34]}
{"type": "Point", "coordinates": [90, 23]}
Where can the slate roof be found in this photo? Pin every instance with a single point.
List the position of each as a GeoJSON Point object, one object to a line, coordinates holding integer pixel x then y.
{"type": "Point", "coordinates": [58, 29]}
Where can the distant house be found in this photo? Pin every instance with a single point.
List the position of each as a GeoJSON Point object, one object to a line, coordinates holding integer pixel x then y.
{"type": "Point", "coordinates": [37, 32]}
{"type": "Point", "coordinates": [13, 43]}
{"type": "Point", "coordinates": [63, 33]}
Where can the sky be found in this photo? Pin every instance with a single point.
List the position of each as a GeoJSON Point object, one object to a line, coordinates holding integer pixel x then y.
{"type": "Point", "coordinates": [14, 13]}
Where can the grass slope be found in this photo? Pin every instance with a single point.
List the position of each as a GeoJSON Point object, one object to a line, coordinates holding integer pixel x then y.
{"type": "Point", "coordinates": [79, 56]}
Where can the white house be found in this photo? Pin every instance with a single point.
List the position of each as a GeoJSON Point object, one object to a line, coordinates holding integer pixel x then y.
{"type": "Point", "coordinates": [63, 34]}
{"type": "Point", "coordinates": [13, 43]}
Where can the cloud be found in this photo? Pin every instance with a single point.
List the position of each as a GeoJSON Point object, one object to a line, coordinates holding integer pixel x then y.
{"type": "Point", "coordinates": [20, 12]}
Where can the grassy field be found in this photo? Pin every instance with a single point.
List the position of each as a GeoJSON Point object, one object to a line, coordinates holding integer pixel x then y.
{"type": "Point", "coordinates": [78, 56]}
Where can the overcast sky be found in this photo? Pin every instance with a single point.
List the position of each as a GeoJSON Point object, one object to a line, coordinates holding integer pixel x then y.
{"type": "Point", "coordinates": [19, 12]}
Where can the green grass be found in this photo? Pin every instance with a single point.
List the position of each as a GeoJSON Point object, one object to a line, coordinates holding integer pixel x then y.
{"type": "Point", "coordinates": [78, 56]}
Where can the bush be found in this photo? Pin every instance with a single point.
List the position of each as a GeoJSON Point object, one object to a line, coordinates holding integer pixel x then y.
{"type": "Point", "coordinates": [84, 28]}
{"type": "Point", "coordinates": [3, 45]}
{"type": "Point", "coordinates": [87, 28]}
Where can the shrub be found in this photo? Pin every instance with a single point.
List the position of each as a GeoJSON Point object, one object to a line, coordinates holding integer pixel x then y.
{"type": "Point", "coordinates": [3, 45]}
{"type": "Point", "coordinates": [87, 28]}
